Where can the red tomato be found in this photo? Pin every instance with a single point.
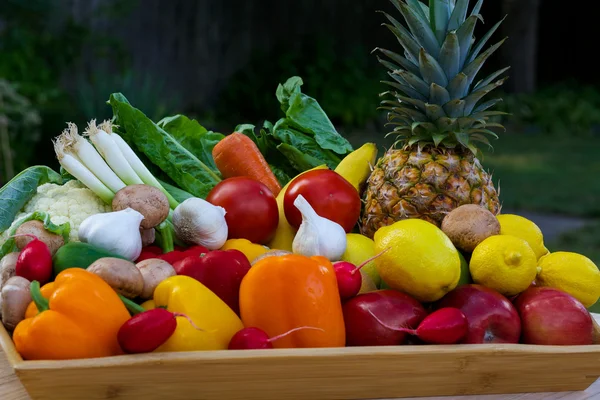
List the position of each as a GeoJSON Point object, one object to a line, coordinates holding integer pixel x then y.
{"type": "Point", "coordinates": [251, 208]}
{"type": "Point", "coordinates": [329, 194]}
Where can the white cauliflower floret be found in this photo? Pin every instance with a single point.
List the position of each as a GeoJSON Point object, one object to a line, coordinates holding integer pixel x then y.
{"type": "Point", "coordinates": [71, 202]}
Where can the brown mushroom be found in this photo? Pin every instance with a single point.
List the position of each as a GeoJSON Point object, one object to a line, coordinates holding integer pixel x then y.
{"type": "Point", "coordinates": [8, 267]}
{"type": "Point", "coordinates": [121, 275]}
{"type": "Point", "coordinates": [15, 300]}
{"type": "Point", "coordinates": [154, 271]}
{"type": "Point", "coordinates": [145, 199]}
{"type": "Point", "coordinates": [148, 236]}
{"type": "Point", "coordinates": [469, 225]}
{"type": "Point", "coordinates": [36, 228]}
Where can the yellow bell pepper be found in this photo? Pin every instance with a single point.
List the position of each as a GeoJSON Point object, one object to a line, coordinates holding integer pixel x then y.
{"type": "Point", "coordinates": [250, 250]}
{"type": "Point", "coordinates": [285, 233]}
{"type": "Point", "coordinates": [185, 295]}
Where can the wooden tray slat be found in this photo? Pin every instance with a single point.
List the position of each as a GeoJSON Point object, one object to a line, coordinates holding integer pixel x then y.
{"type": "Point", "coordinates": [343, 373]}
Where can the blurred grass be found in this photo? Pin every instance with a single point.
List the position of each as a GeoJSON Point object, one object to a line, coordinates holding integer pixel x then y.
{"type": "Point", "coordinates": [547, 173]}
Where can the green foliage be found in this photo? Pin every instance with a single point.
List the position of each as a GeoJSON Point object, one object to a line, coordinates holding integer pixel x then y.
{"type": "Point", "coordinates": [19, 128]}
{"type": "Point", "coordinates": [346, 82]}
{"type": "Point", "coordinates": [565, 109]}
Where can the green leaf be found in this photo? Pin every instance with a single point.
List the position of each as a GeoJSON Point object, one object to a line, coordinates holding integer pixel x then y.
{"type": "Point", "coordinates": [480, 138]}
{"type": "Point", "coordinates": [490, 78]}
{"type": "Point", "coordinates": [298, 159]}
{"type": "Point", "coordinates": [425, 9]}
{"type": "Point", "coordinates": [450, 56]}
{"type": "Point", "coordinates": [486, 131]}
{"type": "Point", "coordinates": [282, 177]}
{"type": "Point", "coordinates": [417, 83]}
{"type": "Point", "coordinates": [446, 124]}
{"type": "Point", "coordinates": [286, 90]}
{"type": "Point", "coordinates": [402, 61]}
{"type": "Point", "coordinates": [421, 30]}
{"type": "Point", "coordinates": [20, 189]}
{"type": "Point", "coordinates": [477, 8]}
{"type": "Point", "coordinates": [178, 194]}
{"type": "Point", "coordinates": [465, 38]}
{"type": "Point", "coordinates": [487, 105]}
{"type": "Point", "coordinates": [194, 137]}
{"type": "Point", "coordinates": [472, 99]}
{"type": "Point", "coordinates": [306, 145]}
{"type": "Point", "coordinates": [415, 102]}
{"type": "Point", "coordinates": [407, 90]}
{"type": "Point", "coordinates": [419, 138]}
{"type": "Point", "coordinates": [431, 70]}
{"type": "Point", "coordinates": [304, 114]}
{"type": "Point", "coordinates": [457, 18]}
{"type": "Point", "coordinates": [428, 126]}
{"type": "Point", "coordinates": [439, 14]}
{"type": "Point", "coordinates": [162, 149]}
{"type": "Point", "coordinates": [416, 5]}
{"type": "Point", "coordinates": [595, 308]}
{"type": "Point", "coordinates": [438, 94]}
{"type": "Point", "coordinates": [458, 86]}
{"type": "Point", "coordinates": [465, 140]}
{"type": "Point", "coordinates": [63, 230]}
{"type": "Point", "coordinates": [404, 37]}
{"type": "Point", "coordinates": [435, 112]}
{"type": "Point", "coordinates": [475, 52]}
{"type": "Point", "coordinates": [438, 137]}
{"type": "Point", "coordinates": [455, 108]}
{"type": "Point", "coordinates": [473, 68]}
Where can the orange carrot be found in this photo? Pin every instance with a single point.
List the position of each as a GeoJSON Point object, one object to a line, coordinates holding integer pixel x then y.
{"type": "Point", "coordinates": [238, 155]}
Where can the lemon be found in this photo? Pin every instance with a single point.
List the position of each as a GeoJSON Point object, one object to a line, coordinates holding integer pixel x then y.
{"type": "Point", "coordinates": [523, 228]}
{"type": "Point", "coordinates": [504, 263]}
{"type": "Point", "coordinates": [359, 249]}
{"type": "Point", "coordinates": [421, 261]}
{"type": "Point", "coordinates": [572, 273]}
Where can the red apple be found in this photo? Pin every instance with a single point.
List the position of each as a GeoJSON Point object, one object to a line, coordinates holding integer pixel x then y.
{"type": "Point", "coordinates": [395, 309]}
{"type": "Point", "coordinates": [553, 317]}
{"type": "Point", "coordinates": [492, 318]}
{"type": "Point", "coordinates": [221, 271]}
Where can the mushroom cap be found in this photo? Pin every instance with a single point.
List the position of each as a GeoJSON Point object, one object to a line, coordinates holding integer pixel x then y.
{"type": "Point", "coordinates": [145, 199]}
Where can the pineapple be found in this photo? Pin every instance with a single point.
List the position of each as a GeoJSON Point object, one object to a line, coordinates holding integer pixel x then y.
{"type": "Point", "coordinates": [436, 108]}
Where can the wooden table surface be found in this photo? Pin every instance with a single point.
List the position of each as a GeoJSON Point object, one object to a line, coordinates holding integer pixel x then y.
{"type": "Point", "coordinates": [11, 389]}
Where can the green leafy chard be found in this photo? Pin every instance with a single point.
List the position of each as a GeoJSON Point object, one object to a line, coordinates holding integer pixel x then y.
{"type": "Point", "coordinates": [163, 149]}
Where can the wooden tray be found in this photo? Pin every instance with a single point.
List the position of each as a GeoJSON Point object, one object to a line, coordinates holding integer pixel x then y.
{"type": "Point", "coordinates": [320, 374]}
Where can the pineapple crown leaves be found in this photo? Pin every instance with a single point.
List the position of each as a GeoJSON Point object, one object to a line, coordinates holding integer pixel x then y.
{"type": "Point", "coordinates": [435, 99]}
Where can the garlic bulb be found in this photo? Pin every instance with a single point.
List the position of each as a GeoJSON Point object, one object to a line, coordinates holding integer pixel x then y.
{"type": "Point", "coordinates": [117, 232]}
{"type": "Point", "coordinates": [318, 236]}
{"type": "Point", "coordinates": [196, 221]}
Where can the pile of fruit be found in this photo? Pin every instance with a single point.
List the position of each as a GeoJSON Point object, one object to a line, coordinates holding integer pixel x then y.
{"type": "Point", "coordinates": [164, 236]}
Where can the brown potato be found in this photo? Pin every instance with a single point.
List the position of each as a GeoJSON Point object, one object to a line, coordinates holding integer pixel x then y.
{"type": "Point", "coordinates": [145, 199]}
{"type": "Point", "coordinates": [469, 225]}
{"type": "Point", "coordinates": [154, 271]}
{"type": "Point", "coordinates": [36, 228]}
{"type": "Point", "coordinates": [121, 275]}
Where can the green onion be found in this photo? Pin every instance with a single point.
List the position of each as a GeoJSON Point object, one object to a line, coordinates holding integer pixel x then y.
{"type": "Point", "coordinates": [139, 167]}
{"type": "Point", "coordinates": [90, 157]}
{"type": "Point", "coordinates": [72, 165]}
{"type": "Point", "coordinates": [107, 147]}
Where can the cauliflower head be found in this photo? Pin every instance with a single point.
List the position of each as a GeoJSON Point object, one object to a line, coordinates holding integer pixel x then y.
{"type": "Point", "coordinates": [71, 202]}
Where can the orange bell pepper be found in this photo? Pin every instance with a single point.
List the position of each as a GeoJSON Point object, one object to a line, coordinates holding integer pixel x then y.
{"type": "Point", "coordinates": [79, 319]}
{"type": "Point", "coordinates": [281, 293]}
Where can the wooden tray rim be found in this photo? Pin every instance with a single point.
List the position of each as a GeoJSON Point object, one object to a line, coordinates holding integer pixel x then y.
{"type": "Point", "coordinates": [462, 350]}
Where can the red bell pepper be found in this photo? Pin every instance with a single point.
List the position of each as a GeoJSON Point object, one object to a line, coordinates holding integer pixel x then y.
{"type": "Point", "coordinates": [171, 257]}
{"type": "Point", "coordinates": [221, 271]}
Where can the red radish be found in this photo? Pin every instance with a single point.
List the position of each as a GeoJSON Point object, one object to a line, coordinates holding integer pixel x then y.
{"type": "Point", "coordinates": [146, 331]}
{"type": "Point", "coordinates": [257, 339]}
{"type": "Point", "coordinates": [348, 278]}
{"type": "Point", "coordinates": [444, 326]}
{"type": "Point", "coordinates": [35, 261]}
